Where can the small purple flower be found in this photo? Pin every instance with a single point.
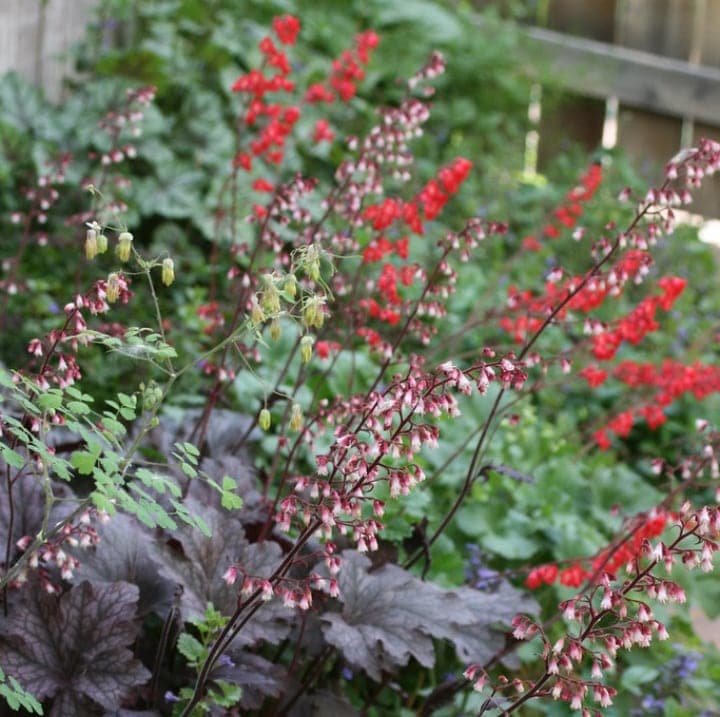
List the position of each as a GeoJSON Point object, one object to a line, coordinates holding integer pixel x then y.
{"type": "Point", "coordinates": [225, 661]}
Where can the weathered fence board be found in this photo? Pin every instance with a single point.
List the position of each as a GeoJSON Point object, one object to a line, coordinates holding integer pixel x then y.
{"type": "Point", "coordinates": [601, 70]}
{"type": "Point", "coordinates": [35, 35]}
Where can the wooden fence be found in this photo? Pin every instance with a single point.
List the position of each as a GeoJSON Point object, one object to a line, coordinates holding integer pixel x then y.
{"type": "Point", "coordinates": [35, 36]}
{"type": "Point", "coordinates": [643, 75]}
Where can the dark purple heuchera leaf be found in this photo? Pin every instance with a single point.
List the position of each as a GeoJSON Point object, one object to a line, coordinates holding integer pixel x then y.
{"type": "Point", "coordinates": [389, 615]}
{"type": "Point", "coordinates": [74, 647]}
{"type": "Point", "coordinates": [258, 677]}
{"type": "Point", "coordinates": [199, 569]}
{"type": "Point", "coordinates": [323, 704]}
{"type": "Point", "coordinates": [123, 554]}
{"type": "Point", "coordinates": [479, 639]}
{"type": "Point", "coordinates": [28, 504]}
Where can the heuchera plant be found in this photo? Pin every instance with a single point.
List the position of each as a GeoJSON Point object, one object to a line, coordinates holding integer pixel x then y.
{"type": "Point", "coordinates": [148, 567]}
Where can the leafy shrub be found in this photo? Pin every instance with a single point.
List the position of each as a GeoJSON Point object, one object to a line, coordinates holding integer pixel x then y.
{"type": "Point", "coordinates": [222, 419]}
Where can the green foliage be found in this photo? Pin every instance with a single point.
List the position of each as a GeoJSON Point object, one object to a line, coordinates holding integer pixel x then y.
{"type": "Point", "coordinates": [542, 494]}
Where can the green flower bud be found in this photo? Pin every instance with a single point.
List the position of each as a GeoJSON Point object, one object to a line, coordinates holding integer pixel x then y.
{"type": "Point", "coordinates": [102, 244]}
{"type": "Point", "coordinates": [168, 271]}
{"type": "Point", "coordinates": [124, 247]}
{"type": "Point", "coordinates": [264, 419]}
{"type": "Point", "coordinates": [151, 396]}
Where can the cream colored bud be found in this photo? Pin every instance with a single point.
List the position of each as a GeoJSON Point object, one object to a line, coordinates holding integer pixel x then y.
{"type": "Point", "coordinates": [296, 417]}
{"type": "Point", "coordinates": [168, 271]}
{"type": "Point", "coordinates": [102, 244]}
{"type": "Point", "coordinates": [275, 329]}
{"type": "Point", "coordinates": [124, 247]}
{"type": "Point", "coordinates": [112, 291]}
{"type": "Point", "coordinates": [91, 244]}
{"type": "Point", "coordinates": [264, 419]}
{"type": "Point", "coordinates": [306, 348]}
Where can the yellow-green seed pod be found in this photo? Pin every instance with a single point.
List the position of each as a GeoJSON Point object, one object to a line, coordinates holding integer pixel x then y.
{"type": "Point", "coordinates": [102, 244]}
{"type": "Point", "coordinates": [275, 329]}
{"type": "Point", "coordinates": [168, 271]}
{"type": "Point", "coordinates": [91, 244]}
{"type": "Point", "coordinates": [312, 262]}
{"type": "Point", "coordinates": [124, 247]}
{"type": "Point", "coordinates": [112, 291]}
{"type": "Point", "coordinates": [290, 285]}
{"type": "Point", "coordinates": [270, 298]}
{"type": "Point", "coordinates": [296, 417]}
{"type": "Point", "coordinates": [264, 419]}
{"type": "Point", "coordinates": [313, 314]}
{"type": "Point", "coordinates": [257, 315]}
{"type": "Point", "coordinates": [306, 348]}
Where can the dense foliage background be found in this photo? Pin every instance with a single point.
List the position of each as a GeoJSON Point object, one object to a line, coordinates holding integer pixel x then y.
{"type": "Point", "coordinates": [549, 496]}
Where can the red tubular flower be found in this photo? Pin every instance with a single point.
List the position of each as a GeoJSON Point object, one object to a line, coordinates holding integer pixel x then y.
{"type": "Point", "coordinates": [364, 43]}
{"type": "Point", "coordinates": [653, 415]}
{"type": "Point", "coordinates": [672, 287]}
{"type": "Point", "coordinates": [262, 185]}
{"type": "Point", "coordinates": [377, 250]}
{"type": "Point", "coordinates": [531, 243]}
{"type": "Point", "coordinates": [402, 247]}
{"type": "Point", "coordinates": [594, 376]}
{"type": "Point", "coordinates": [286, 28]}
{"type": "Point", "coordinates": [574, 576]}
{"type": "Point", "coordinates": [322, 132]}
{"type": "Point", "coordinates": [244, 161]}
{"type": "Point", "coordinates": [601, 438]}
{"type": "Point", "coordinates": [622, 424]}
{"type": "Point", "coordinates": [318, 93]}
{"type": "Point", "coordinates": [383, 215]}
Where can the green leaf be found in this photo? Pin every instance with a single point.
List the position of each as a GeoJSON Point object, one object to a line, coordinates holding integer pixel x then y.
{"type": "Point", "coordinates": [636, 676]}
{"type": "Point", "coordinates": [102, 502]}
{"type": "Point", "coordinates": [113, 426]}
{"type": "Point", "coordinates": [11, 457]}
{"type": "Point", "coordinates": [83, 462]}
{"type": "Point", "coordinates": [229, 499]}
{"type": "Point", "coordinates": [127, 401]}
{"type": "Point", "coordinates": [443, 25]}
{"type": "Point", "coordinates": [50, 401]}
{"type": "Point", "coordinates": [78, 408]}
{"type": "Point", "coordinates": [190, 648]}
